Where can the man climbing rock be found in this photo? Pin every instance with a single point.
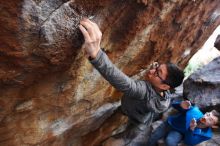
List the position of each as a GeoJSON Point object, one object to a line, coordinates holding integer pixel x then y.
{"type": "Point", "coordinates": [141, 99]}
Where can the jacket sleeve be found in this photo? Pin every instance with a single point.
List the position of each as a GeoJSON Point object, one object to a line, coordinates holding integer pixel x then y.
{"type": "Point", "coordinates": [117, 78]}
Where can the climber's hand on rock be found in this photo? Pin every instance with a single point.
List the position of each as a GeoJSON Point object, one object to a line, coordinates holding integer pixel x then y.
{"type": "Point", "coordinates": [92, 36]}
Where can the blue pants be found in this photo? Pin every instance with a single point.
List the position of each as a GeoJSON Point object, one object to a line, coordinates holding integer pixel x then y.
{"type": "Point", "coordinates": [172, 137]}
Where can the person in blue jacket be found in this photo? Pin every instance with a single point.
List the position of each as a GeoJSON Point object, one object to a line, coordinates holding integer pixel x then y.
{"type": "Point", "coordinates": [189, 125]}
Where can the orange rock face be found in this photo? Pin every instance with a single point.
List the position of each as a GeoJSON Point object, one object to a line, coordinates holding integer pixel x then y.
{"type": "Point", "coordinates": [50, 94]}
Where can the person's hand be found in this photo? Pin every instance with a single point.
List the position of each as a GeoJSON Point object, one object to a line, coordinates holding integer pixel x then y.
{"type": "Point", "coordinates": [92, 36]}
{"type": "Point", "coordinates": [193, 124]}
{"type": "Point", "coordinates": [186, 104]}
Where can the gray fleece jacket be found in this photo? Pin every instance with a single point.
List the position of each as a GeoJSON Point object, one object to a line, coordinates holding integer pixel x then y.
{"type": "Point", "coordinates": [140, 101]}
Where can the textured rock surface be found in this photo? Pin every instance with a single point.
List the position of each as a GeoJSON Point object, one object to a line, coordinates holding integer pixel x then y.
{"type": "Point", "coordinates": [49, 92]}
{"type": "Point", "coordinates": [202, 87]}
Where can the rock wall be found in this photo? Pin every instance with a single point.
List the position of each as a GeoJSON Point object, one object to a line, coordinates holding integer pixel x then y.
{"type": "Point", "coordinates": [202, 87]}
{"type": "Point", "coordinates": [49, 92]}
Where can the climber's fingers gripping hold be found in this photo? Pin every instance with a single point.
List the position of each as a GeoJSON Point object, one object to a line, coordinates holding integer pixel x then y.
{"type": "Point", "coordinates": [92, 35]}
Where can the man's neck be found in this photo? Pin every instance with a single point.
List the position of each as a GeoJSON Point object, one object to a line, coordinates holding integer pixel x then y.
{"type": "Point", "coordinates": [162, 93]}
{"type": "Point", "coordinates": [159, 91]}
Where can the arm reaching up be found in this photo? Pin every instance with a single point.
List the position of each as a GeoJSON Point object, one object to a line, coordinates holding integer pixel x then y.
{"type": "Point", "coordinates": [101, 62]}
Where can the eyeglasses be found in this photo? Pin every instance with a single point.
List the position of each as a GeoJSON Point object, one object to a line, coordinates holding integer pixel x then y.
{"type": "Point", "coordinates": [156, 65]}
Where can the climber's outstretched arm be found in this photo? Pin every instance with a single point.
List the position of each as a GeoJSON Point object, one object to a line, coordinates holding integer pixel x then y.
{"type": "Point", "coordinates": [102, 63]}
